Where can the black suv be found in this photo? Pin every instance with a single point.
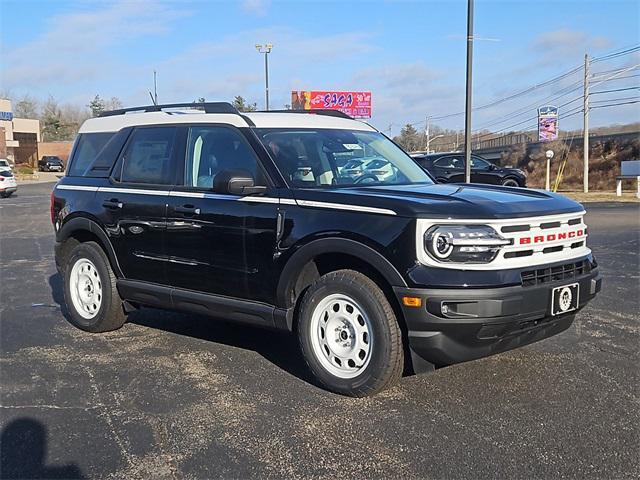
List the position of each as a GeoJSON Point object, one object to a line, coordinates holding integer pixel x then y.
{"type": "Point", "coordinates": [50, 163]}
{"type": "Point", "coordinates": [247, 217]}
{"type": "Point", "coordinates": [449, 168]}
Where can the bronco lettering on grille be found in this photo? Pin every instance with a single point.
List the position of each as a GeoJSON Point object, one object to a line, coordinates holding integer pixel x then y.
{"type": "Point", "coordinates": [551, 237]}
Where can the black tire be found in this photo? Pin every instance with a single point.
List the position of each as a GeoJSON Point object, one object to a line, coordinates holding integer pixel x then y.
{"type": "Point", "coordinates": [510, 182]}
{"type": "Point", "coordinates": [386, 361]}
{"type": "Point", "coordinates": [110, 315]}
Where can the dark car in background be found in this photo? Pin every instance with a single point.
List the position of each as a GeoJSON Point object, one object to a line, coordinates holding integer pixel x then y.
{"type": "Point", "coordinates": [50, 163]}
{"type": "Point", "coordinates": [449, 168]}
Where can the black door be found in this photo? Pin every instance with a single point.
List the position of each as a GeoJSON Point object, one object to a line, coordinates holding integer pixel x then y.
{"type": "Point", "coordinates": [481, 171]}
{"type": "Point", "coordinates": [134, 202]}
{"type": "Point", "coordinates": [217, 242]}
{"type": "Point", "coordinates": [450, 169]}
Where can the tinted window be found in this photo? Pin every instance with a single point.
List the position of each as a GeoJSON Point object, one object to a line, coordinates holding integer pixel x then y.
{"type": "Point", "coordinates": [449, 162]}
{"type": "Point", "coordinates": [211, 150]}
{"type": "Point", "coordinates": [4, 163]}
{"type": "Point", "coordinates": [479, 164]}
{"type": "Point", "coordinates": [6, 173]}
{"type": "Point", "coordinates": [147, 158]}
{"type": "Point", "coordinates": [87, 148]}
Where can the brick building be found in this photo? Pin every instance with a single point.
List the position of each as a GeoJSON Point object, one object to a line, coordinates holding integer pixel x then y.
{"type": "Point", "coordinates": [21, 135]}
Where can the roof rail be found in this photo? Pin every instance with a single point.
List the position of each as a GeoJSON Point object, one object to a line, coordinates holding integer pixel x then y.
{"type": "Point", "coordinates": [325, 112]}
{"type": "Point", "coordinates": [208, 107]}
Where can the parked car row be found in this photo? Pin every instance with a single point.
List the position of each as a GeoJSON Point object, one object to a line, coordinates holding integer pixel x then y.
{"type": "Point", "coordinates": [448, 167]}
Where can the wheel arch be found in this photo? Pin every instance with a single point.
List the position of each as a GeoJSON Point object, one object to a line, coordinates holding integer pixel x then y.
{"type": "Point", "coordinates": [84, 229]}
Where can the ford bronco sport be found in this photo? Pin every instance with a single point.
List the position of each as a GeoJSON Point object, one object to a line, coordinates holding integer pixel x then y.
{"type": "Point", "coordinates": [247, 217]}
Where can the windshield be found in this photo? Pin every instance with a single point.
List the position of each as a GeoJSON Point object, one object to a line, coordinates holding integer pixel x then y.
{"type": "Point", "coordinates": [328, 158]}
{"type": "Point", "coordinates": [6, 173]}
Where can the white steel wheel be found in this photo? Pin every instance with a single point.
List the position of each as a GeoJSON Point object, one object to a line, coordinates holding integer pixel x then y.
{"type": "Point", "coordinates": [85, 287]}
{"type": "Point", "coordinates": [509, 182]}
{"type": "Point", "coordinates": [341, 337]}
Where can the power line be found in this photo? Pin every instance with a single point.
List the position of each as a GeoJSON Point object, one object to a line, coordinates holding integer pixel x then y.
{"type": "Point", "coordinates": [619, 53]}
{"type": "Point", "coordinates": [515, 114]}
{"type": "Point", "coordinates": [615, 90]}
{"type": "Point", "coordinates": [616, 104]}
{"type": "Point", "coordinates": [526, 109]}
{"type": "Point", "coordinates": [615, 99]}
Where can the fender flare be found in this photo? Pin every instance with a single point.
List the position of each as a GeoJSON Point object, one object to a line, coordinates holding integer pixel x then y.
{"type": "Point", "coordinates": [306, 253]}
{"type": "Point", "coordinates": [85, 224]}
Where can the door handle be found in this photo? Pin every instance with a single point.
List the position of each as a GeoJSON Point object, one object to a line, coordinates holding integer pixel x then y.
{"type": "Point", "coordinates": [188, 210]}
{"type": "Point", "coordinates": [113, 204]}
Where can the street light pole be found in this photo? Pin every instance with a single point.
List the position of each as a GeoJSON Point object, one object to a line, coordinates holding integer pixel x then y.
{"type": "Point", "coordinates": [266, 49]}
{"type": "Point", "coordinates": [467, 113]}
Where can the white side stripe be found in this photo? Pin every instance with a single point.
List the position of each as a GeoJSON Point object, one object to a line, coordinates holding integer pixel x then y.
{"type": "Point", "coordinates": [215, 196]}
{"type": "Point", "coordinates": [342, 206]}
{"type": "Point", "coordinates": [77, 187]}
{"type": "Point", "coordinates": [137, 191]}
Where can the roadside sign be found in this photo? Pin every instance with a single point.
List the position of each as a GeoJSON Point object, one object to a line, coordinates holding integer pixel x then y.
{"type": "Point", "coordinates": [547, 123]}
{"type": "Point", "coordinates": [354, 104]}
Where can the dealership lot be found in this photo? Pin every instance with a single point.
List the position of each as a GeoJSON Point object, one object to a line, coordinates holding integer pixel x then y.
{"type": "Point", "coordinates": [180, 396]}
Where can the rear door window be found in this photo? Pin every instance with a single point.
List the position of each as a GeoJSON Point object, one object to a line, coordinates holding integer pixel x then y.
{"type": "Point", "coordinates": [147, 157]}
{"type": "Point", "coordinates": [87, 149]}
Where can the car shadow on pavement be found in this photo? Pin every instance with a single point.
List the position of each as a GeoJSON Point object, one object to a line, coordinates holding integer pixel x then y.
{"type": "Point", "coordinates": [23, 452]}
{"type": "Point", "coordinates": [279, 348]}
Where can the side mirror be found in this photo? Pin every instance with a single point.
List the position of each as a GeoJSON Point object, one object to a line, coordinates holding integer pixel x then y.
{"type": "Point", "coordinates": [236, 182]}
{"type": "Point", "coordinates": [493, 166]}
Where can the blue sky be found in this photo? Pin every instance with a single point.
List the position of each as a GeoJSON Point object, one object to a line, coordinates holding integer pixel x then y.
{"type": "Point", "coordinates": [410, 54]}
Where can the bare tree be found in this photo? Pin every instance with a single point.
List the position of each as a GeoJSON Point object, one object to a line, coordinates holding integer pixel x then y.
{"type": "Point", "coordinates": [27, 107]}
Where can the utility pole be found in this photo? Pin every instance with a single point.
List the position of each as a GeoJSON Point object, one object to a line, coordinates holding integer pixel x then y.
{"type": "Point", "coordinates": [427, 134]}
{"type": "Point", "coordinates": [585, 130]}
{"type": "Point", "coordinates": [467, 113]}
{"type": "Point", "coordinates": [266, 49]}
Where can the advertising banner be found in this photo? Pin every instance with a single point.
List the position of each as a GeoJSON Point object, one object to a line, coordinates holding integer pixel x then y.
{"type": "Point", "coordinates": [547, 123]}
{"type": "Point", "coordinates": [354, 104]}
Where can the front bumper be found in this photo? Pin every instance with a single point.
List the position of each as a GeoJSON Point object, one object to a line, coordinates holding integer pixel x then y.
{"type": "Point", "coordinates": [478, 322]}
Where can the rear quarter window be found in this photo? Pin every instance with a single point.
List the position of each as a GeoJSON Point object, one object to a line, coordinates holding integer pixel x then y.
{"type": "Point", "coordinates": [87, 148]}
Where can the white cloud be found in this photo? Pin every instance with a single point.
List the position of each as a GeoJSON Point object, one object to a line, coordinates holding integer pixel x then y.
{"type": "Point", "coordinates": [75, 48]}
{"type": "Point", "coordinates": [256, 7]}
{"type": "Point", "coordinates": [557, 45]}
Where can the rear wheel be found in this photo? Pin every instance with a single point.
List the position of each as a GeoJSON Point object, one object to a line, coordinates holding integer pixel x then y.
{"type": "Point", "coordinates": [90, 290]}
{"type": "Point", "coordinates": [349, 334]}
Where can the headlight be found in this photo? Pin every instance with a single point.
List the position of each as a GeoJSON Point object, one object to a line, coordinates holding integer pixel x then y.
{"type": "Point", "coordinates": [463, 243]}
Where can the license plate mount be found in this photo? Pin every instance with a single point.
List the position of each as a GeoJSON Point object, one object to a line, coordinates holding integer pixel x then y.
{"type": "Point", "coordinates": [565, 299]}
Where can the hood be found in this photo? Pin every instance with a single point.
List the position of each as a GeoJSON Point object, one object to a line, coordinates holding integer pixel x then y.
{"type": "Point", "coordinates": [475, 201]}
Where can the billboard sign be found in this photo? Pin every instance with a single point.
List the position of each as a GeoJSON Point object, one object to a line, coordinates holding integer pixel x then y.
{"type": "Point", "coordinates": [547, 123]}
{"type": "Point", "coordinates": [7, 116]}
{"type": "Point", "coordinates": [354, 104]}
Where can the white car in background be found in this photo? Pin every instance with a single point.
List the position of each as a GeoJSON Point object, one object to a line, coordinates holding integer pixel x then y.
{"type": "Point", "coordinates": [5, 165]}
{"type": "Point", "coordinates": [381, 168]}
{"type": "Point", "coordinates": [8, 183]}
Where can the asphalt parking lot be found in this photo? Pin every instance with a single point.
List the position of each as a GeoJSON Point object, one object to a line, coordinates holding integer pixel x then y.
{"type": "Point", "coordinates": [178, 396]}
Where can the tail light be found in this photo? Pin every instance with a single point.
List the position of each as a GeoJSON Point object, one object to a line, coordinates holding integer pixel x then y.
{"type": "Point", "coordinates": [1, 178]}
{"type": "Point", "coordinates": [52, 210]}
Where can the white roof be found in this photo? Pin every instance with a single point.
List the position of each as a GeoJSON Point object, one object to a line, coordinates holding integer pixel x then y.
{"type": "Point", "coordinates": [260, 119]}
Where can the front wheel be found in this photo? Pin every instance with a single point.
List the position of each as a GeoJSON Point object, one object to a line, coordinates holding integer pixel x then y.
{"type": "Point", "coordinates": [90, 290]}
{"type": "Point", "coordinates": [510, 182]}
{"type": "Point", "coordinates": [349, 334]}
